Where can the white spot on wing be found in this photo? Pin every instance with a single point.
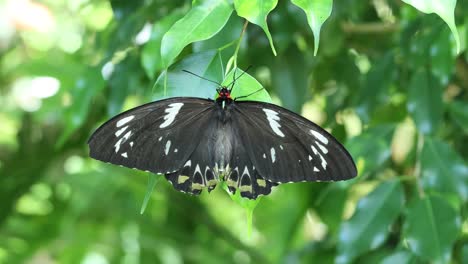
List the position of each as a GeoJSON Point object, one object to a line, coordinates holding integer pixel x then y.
{"type": "Point", "coordinates": [124, 120]}
{"type": "Point", "coordinates": [324, 162]}
{"type": "Point", "coordinates": [319, 136]}
{"type": "Point", "coordinates": [321, 147]}
{"type": "Point", "coordinates": [264, 156]}
{"type": "Point", "coordinates": [125, 155]}
{"type": "Point", "coordinates": [273, 119]}
{"type": "Point", "coordinates": [120, 131]}
{"type": "Point", "coordinates": [168, 146]}
{"type": "Point", "coordinates": [121, 141]}
{"type": "Point", "coordinates": [281, 147]}
{"type": "Point", "coordinates": [176, 150]}
{"type": "Point", "coordinates": [197, 169]}
{"type": "Point", "coordinates": [310, 157]}
{"type": "Point", "coordinates": [246, 171]}
{"type": "Point", "coordinates": [171, 111]}
{"type": "Point", "coordinates": [160, 138]}
{"type": "Point", "coordinates": [316, 170]}
{"type": "Point", "coordinates": [273, 155]}
{"type": "Point", "coordinates": [131, 144]}
{"type": "Point", "coordinates": [188, 163]}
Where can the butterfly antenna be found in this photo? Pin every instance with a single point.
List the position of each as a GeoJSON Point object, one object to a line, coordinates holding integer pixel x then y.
{"type": "Point", "coordinates": [235, 79]}
{"type": "Point", "coordinates": [201, 77]}
{"type": "Point", "coordinates": [244, 96]}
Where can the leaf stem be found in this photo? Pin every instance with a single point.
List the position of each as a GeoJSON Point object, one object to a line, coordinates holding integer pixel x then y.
{"type": "Point", "coordinates": [244, 28]}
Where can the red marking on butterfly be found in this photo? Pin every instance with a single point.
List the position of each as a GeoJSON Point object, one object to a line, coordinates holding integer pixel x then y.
{"type": "Point", "coordinates": [224, 94]}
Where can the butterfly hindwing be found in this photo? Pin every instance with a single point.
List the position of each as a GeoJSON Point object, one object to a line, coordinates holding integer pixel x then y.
{"type": "Point", "coordinates": [286, 147]}
{"type": "Point", "coordinates": [199, 170]}
{"type": "Point", "coordinates": [156, 137]}
{"type": "Point", "coordinates": [243, 176]}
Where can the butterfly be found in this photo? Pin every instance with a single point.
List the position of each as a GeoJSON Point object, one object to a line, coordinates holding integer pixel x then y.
{"type": "Point", "coordinates": [197, 143]}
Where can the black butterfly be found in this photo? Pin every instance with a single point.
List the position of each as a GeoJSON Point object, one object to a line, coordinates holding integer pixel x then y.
{"type": "Point", "coordinates": [196, 143]}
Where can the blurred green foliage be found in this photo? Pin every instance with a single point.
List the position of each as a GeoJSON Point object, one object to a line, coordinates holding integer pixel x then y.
{"type": "Point", "coordinates": [388, 80]}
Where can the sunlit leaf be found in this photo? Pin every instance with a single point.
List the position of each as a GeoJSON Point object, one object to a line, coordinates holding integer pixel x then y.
{"type": "Point", "coordinates": [443, 8]}
{"type": "Point", "coordinates": [256, 12]}
{"type": "Point", "coordinates": [203, 21]}
{"type": "Point", "coordinates": [246, 85]}
{"type": "Point", "coordinates": [226, 37]}
{"type": "Point", "coordinates": [443, 170]}
{"type": "Point", "coordinates": [431, 227]}
{"type": "Point", "coordinates": [425, 101]}
{"type": "Point", "coordinates": [368, 227]}
{"type": "Point", "coordinates": [317, 12]}
{"type": "Point", "coordinates": [175, 82]}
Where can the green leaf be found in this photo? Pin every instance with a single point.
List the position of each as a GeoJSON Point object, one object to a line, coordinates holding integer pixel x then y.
{"type": "Point", "coordinates": [86, 87]}
{"type": "Point", "coordinates": [289, 79]}
{"type": "Point", "coordinates": [372, 148]}
{"type": "Point", "coordinates": [256, 12]}
{"type": "Point", "coordinates": [464, 254]}
{"type": "Point", "coordinates": [122, 8]}
{"type": "Point", "coordinates": [369, 226]}
{"type": "Point", "coordinates": [431, 228]}
{"type": "Point", "coordinates": [152, 180]}
{"type": "Point", "coordinates": [442, 59]}
{"type": "Point", "coordinates": [443, 170]}
{"type": "Point", "coordinates": [330, 205]}
{"type": "Point", "coordinates": [203, 21]}
{"type": "Point", "coordinates": [124, 81]}
{"type": "Point", "coordinates": [225, 38]}
{"type": "Point", "coordinates": [317, 11]}
{"type": "Point", "coordinates": [175, 82]}
{"type": "Point", "coordinates": [248, 205]}
{"type": "Point", "coordinates": [445, 9]}
{"type": "Point", "coordinates": [151, 53]}
{"type": "Point", "coordinates": [459, 112]}
{"type": "Point", "coordinates": [375, 91]}
{"type": "Point", "coordinates": [246, 85]}
{"type": "Point", "coordinates": [400, 257]}
{"type": "Point", "coordinates": [425, 101]}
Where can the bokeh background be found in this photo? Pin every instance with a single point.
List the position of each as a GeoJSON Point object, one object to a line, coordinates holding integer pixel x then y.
{"type": "Point", "coordinates": [387, 82]}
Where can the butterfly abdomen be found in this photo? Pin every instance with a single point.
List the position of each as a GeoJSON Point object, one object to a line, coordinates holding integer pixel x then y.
{"type": "Point", "coordinates": [223, 144]}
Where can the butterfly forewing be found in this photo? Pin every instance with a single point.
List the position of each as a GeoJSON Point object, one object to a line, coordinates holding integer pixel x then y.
{"type": "Point", "coordinates": [285, 147]}
{"type": "Point", "coordinates": [156, 137]}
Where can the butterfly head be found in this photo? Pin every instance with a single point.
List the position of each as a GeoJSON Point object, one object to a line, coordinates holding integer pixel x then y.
{"type": "Point", "coordinates": [224, 93]}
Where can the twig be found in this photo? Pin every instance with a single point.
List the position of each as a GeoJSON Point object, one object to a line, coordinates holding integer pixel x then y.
{"type": "Point", "coordinates": [369, 28]}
